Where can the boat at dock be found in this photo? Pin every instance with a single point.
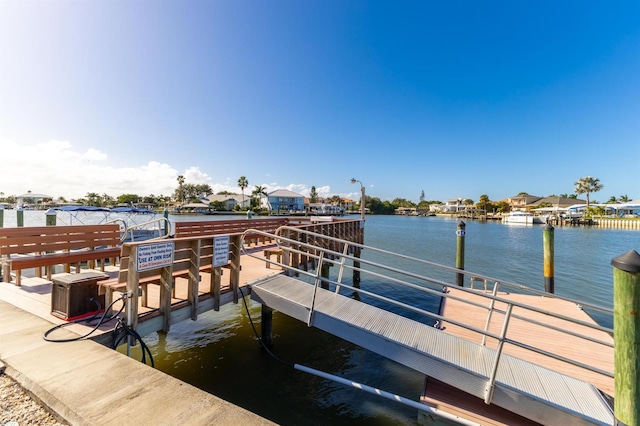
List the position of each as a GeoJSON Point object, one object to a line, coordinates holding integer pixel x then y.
{"type": "Point", "coordinates": [522, 218]}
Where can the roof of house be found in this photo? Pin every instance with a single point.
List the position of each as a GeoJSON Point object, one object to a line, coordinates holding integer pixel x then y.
{"type": "Point", "coordinates": [560, 201]}
{"type": "Point", "coordinates": [221, 198]}
{"type": "Point", "coordinates": [285, 193]}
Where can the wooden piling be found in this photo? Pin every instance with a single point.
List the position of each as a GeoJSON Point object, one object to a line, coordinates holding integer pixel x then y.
{"type": "Point", "coordinates": [166, 221]}
{"type": "Point", "coordinates": [460, 234]}
{"type": "Point", "coordinates": [324, 273]}
{"type": "Point", "coordinates": [548, 255]}
{"type": "Point", "coordinates": [356, 268]}
{"type": "Point", "coordinates": [626, 334]}
{"type": "Point", "coordinates": [50, 217]}
{"type": "Point", "coordinates": [266, 327]}
{"type": "Point", "coordinates": [20, 217]}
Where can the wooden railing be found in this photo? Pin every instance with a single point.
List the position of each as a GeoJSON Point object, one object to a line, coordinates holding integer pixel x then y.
{"type": "Point", "coordinates": [194, 252]}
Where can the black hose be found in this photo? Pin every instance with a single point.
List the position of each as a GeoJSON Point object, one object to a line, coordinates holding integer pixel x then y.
{"type": "Point", "coordinates": [83, 320]}
{"type": "Point", "coordinates": [121, 330]}
{"type": "Point", "coordinates": [264, 346]}
{"type": "Point", "coordinates": [120, 334]}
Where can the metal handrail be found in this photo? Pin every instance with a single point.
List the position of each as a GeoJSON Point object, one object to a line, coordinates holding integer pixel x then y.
{"type": "Point", "coordinates": [326, 254]}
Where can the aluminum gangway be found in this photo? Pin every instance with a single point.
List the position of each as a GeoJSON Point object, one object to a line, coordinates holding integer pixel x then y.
{"type": "Point", "coordinates": [306, 292]}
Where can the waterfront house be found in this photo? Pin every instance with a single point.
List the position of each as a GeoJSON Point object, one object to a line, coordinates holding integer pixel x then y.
{"type": "Point", "coordinates": [285, 201]}
{"type": "Point", "coordinates": [228, 201]}
{"type": "Point", "coordinates": [523, 201]}
{"type": "Point", "coordinates": [453, 205]}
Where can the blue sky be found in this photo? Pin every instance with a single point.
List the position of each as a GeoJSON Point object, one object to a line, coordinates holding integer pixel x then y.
{"type": "Point", "coordinates": [456, 99]}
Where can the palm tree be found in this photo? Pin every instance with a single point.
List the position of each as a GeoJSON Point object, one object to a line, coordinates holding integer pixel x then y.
{"type": "Point", "coordinates": [180, 183]}
{"type": "Point", "coordinates": [483, 201]}
{"type": "Point", "coordinates": [243, 183]}
{"type": "Point", "coordinates": [586, 185]}
{"type": "Point", "coordinates": [623, 199]}
{"type": "Point", "coordinates": [258, 192]}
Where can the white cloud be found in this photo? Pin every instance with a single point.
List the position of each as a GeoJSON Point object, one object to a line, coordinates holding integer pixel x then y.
{"type": "Point", "coordinates": [55, 169]}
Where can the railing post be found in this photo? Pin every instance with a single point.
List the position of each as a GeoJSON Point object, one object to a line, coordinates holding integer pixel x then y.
{"type": "Point", "coordinates": [234, 258]}
{"type": "Point", "coordinates": [460, 234]}
{"type": "Point", "coordinates": [194, 278]}
{"type": "Point", "coordinates": [548, 244]}
{"type": "Point", "coordinates": [131, 308]}
{"type": "Point", "coordinates": [626, 335]}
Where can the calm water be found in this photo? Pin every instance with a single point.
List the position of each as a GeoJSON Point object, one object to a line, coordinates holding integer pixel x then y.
{"type": "Point", "coordinates": [220, 353]}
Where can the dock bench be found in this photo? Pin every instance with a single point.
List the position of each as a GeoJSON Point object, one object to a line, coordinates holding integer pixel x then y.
{"type": "Point", "coordinates": [47, 246]}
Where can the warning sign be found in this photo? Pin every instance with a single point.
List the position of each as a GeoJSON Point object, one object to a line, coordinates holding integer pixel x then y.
{"type": "Point", "coordinates": [220, 251]}
{"type": "Point", "coordinates": [158, 255]}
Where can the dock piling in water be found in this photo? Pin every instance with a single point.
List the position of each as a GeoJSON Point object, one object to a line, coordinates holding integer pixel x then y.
{"type": "Point", "coordinates": [266, 326]}
{"type": "Point", "coordinates": [460, 234]}
{"type": "Point", "coordinates": [50, 217]}
{"type": "Point", "coordinates": [626, 334]}
{"type": "Point", "coordinates": [20, 217]}
{"type": "Point", "coordinates": [548, 247]}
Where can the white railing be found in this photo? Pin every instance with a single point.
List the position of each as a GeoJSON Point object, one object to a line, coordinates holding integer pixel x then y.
{"type": "Point", "coordinates": [320, 250]}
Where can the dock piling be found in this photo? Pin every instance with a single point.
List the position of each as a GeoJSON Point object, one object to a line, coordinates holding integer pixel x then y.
{"type": "Point", "coordinates": [266, 328]}
{"type": "Point", "coordinates": [626, 334]}
{"type": "Point", "coordinates": [548, 247]}
{"type": "Point", "coordinates": [20, 217]}
{"type": "Point", "coordinates": [460, 234]}
{"type": "Point", "coordinates": [50, 217]}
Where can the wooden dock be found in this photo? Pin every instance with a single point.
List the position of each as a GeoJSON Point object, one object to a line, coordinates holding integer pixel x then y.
{"type": "Point", "coordinates": [442, 396]}
{"type": "Point", "coordinates": [34, 295]}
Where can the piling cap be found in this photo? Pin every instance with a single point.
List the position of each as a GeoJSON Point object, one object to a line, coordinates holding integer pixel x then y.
{"type": "Point", "coordinates": [461, 224]}
{"type": "Point", "coordinates": [50, 212]}
{"type": "Point", "coordinates": [628, 262]}
{"type": "Point", "coordinates": [548, 227]}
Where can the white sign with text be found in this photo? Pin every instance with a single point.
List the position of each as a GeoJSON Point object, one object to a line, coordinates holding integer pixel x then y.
{"type": "Point", "coordinates": [157, 255]}
{"type": "Point", "coordinates": [220, 251]}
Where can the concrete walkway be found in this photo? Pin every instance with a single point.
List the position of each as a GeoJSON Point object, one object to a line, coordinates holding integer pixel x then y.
{"type": "Point", "coordinates": [89, 384]}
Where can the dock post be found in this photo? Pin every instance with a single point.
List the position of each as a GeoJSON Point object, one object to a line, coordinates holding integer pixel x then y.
{"type": "Point", "coordinates": [626, 334]}
{"type": "Point", "coordinates": [266, 327]}
{"type": "Point", "coordinates": [356, 267]}
{"type": "Point", "coordinates": [234, 258]}
{"type": "Point", "coordinates": [548, 244]}
{"type": "Point", "coordinates": [324, 273]}
{"type": "Point", "coordinates": [50, 217]}
{"type": "Point", "coordinates": [1, 215]}
{"type": "Point", "coordinates": [165, 213]}
{"type": "Point", "coordinates": [20, 217]}
{"type": "Point", "coordinates": [460, 233]}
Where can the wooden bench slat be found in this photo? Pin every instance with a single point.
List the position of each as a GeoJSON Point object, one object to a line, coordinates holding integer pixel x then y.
{"type": "Point", "coordinates": [47, 246]}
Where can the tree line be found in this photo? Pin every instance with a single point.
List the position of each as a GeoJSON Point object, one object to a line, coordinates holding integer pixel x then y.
{"type": "Point", "coordinates": [188, 193]}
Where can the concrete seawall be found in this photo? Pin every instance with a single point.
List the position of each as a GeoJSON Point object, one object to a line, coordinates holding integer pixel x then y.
{"type": "Point", "coordinates": [89, 384]}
